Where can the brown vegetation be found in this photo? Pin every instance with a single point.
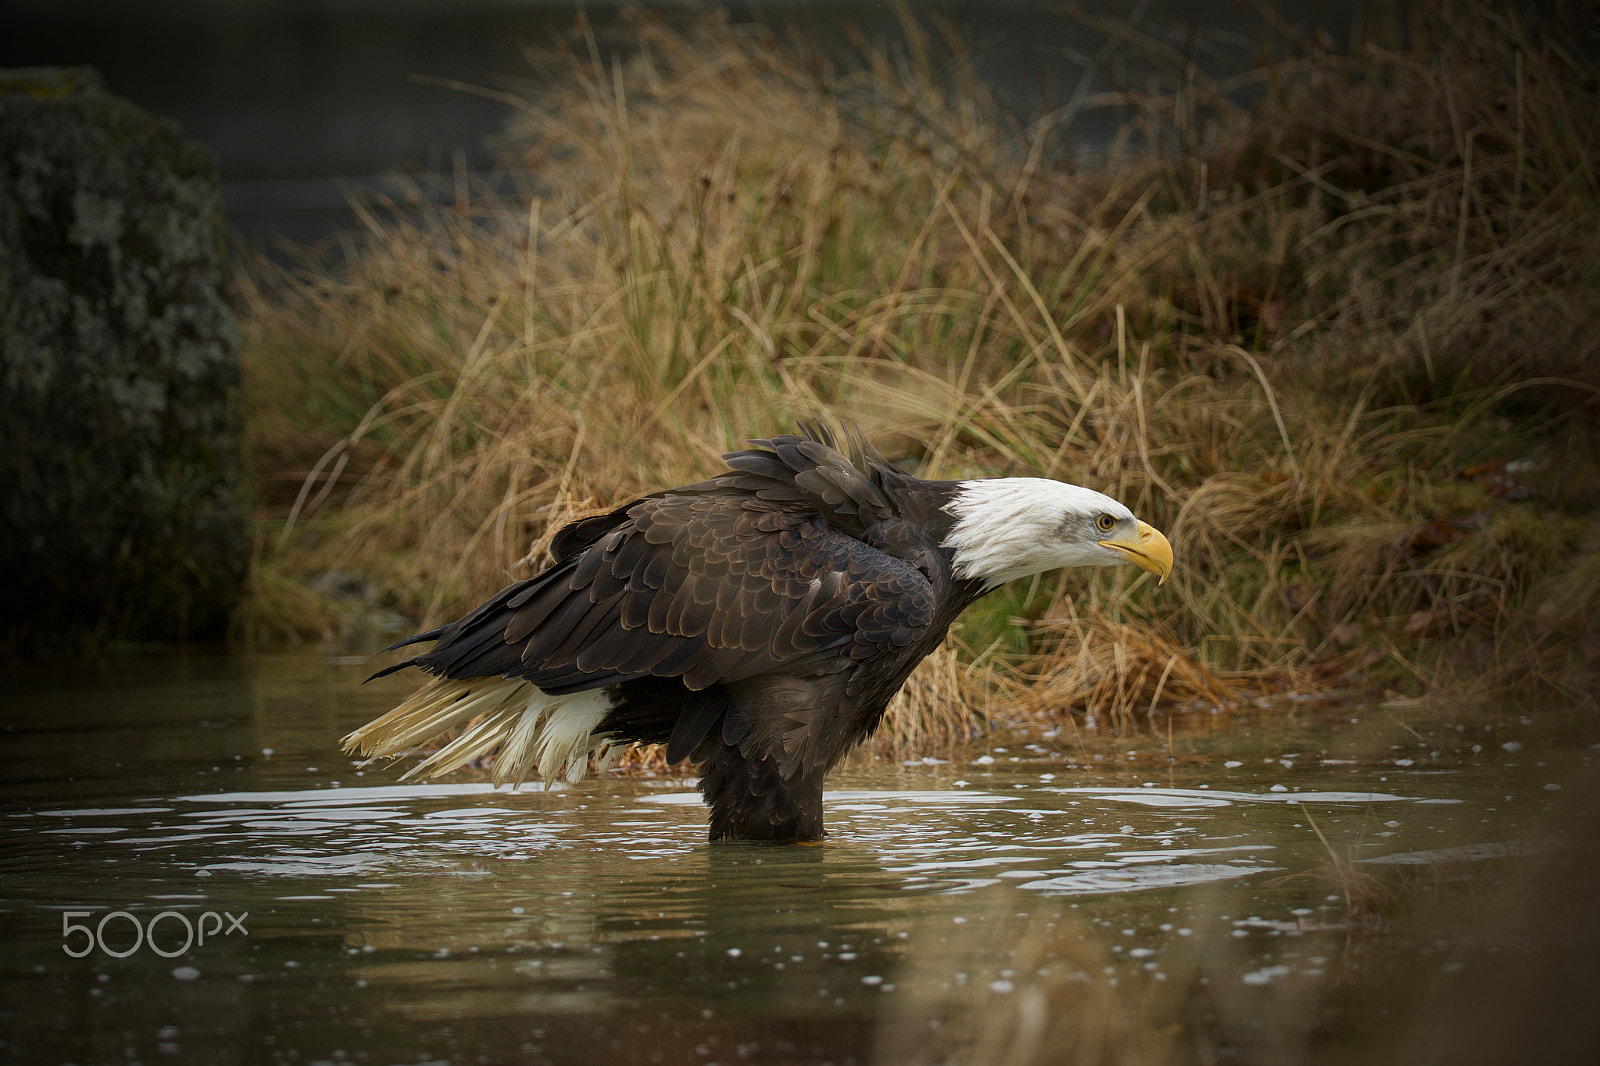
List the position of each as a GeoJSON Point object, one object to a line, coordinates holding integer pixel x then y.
{"type": "Point", "coordinates": [1339, 343]}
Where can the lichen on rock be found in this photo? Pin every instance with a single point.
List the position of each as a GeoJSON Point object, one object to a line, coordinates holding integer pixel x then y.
{"type": "Point", "coordinates": [124, 514]}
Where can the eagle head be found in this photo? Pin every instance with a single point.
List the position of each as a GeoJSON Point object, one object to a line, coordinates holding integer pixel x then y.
{"type": "Point", "coordinates": [1015, 527]}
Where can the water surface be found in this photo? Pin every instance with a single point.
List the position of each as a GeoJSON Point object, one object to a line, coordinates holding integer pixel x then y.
{"type": "Point", "coordinates": [1291, 885]}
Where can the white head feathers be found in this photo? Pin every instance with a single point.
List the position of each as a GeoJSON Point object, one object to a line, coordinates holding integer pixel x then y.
{"type": "Point", "coordinates": [1014, 527]}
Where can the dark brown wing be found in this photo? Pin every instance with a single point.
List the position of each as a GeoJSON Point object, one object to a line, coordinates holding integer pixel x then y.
{"type": "Point", "coordinates": [764, 581]}
{"type": "Point", "coordinates": [705, 587]}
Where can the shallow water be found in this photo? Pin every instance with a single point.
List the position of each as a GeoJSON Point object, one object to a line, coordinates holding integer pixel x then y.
{"type": "Point", "coordinates": [193, 873]}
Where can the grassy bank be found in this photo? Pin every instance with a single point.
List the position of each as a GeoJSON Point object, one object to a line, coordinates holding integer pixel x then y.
{"type": "Point", "coordinates": [1340, 343]}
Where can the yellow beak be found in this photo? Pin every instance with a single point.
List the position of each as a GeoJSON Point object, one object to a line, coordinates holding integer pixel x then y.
{"type": "Point", "coordinates": [1147, 549]}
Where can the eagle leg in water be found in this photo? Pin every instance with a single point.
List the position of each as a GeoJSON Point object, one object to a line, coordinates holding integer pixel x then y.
{"type": "Point", "coordinates": [751, 800]}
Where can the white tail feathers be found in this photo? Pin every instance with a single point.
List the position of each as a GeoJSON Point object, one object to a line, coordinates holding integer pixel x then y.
{"type": "Point", "coordinates": [533, 730]}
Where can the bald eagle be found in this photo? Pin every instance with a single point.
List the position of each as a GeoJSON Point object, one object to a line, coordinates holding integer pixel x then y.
{"type": "Point", "coordinates": [757, 623]}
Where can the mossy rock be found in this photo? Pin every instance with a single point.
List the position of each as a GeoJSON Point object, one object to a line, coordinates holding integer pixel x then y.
{"type": "Point", "coordinates": [124, 515]}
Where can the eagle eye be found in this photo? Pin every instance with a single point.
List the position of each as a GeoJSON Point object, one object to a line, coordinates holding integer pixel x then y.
{"type": "Point", "coordinates": [1106, 523]}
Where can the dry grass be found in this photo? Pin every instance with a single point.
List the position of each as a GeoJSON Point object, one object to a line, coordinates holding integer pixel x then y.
{"type": "Point", "coordinates": [1117, 672]}
{"type": "Point", "coordinates": [1286, 336]}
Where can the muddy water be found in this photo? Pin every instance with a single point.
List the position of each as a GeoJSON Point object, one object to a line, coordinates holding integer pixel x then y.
{"type": "Point", "coordinates": [193, 873]}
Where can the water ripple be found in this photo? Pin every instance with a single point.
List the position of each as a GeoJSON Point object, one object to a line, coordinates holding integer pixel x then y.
{"type": "Point", "coordinates": [1067, 840]}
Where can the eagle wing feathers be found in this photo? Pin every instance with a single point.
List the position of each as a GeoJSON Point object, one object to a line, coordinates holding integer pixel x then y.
{"type": "Point", "coordinates": [758, 581]}
{"type": "Point", "coordinates": [701, 587]}
{"type": "Point", "coordinates": [764, 559]}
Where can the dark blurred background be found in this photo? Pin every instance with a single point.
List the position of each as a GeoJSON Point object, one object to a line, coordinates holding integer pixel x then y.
{"type": "Point", "coordinates": [304, 100]}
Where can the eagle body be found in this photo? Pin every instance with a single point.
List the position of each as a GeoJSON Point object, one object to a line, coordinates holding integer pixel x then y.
{"type": "Point", "coordinates": [757, 623]}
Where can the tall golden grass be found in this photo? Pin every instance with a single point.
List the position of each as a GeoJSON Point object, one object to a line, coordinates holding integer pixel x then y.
{"type": "Point", "coordinates": [1339, 342]}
